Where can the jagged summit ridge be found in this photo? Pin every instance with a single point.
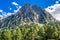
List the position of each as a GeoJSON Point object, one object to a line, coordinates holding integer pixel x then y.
{"type": "Point", "coordinates": [27, 13]}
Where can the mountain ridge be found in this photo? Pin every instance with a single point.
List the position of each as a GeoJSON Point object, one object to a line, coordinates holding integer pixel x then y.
{"type": "Point", "coordinates": [28, 13]}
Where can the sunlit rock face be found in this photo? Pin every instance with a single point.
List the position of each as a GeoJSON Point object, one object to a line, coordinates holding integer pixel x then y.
{"type": "Point", "coordinates": [27, 13]}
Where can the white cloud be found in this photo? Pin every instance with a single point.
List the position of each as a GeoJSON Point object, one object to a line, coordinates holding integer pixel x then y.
{"type": "Point", "coordinates": [1, 16]}
{"type": "Point", "coordinates": [10, 8]}
{"type": "Point", "coordinates": [14, 3]}
{"type": "Point", "coordinates": [1, 10]}
{"type": "Point", "coordinates": [17, 9]}
{"type": "Point", "coordinates": [57, 1]}
{"type": "Point", "coordinates": [6, 14]}
{"type": "Point", "coordinates": [54, 10]}
{"type": "Point", "coordinates": [20, 6]}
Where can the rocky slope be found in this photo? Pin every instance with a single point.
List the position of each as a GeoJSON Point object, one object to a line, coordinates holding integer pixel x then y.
{"type": "Point", "coordinates": [28, 13]}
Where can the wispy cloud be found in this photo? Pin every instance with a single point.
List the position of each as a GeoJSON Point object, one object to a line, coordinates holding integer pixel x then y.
{"type": "Point", "coordinates": [1, 10]}
{"type": "Point", "coordinates": [14, 3]}
{"type": "Point", "coordinates": [10, 8]}
{"type": "Point", "coordinates": [6, 14]}
{"type": "Point", "coordinates": [57, 1]}
{"type": "Point", "coordinates": [1, 16]}
{"type": "Point", "coordinates": [17, 9]}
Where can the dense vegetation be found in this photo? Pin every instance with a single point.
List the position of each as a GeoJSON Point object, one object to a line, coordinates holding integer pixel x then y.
{"type": "Point", "coordinates": [31, 32]}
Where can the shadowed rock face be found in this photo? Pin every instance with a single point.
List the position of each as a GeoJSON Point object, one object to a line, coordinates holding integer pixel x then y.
{"type": "Point", "coordinates": [27, 14]}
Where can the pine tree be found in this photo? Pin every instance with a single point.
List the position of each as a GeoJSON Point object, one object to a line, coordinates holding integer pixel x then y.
{"type": "Point", "coordinates": [55, 32]}
{"type": "Point", "coordinates": [41, 33]}
{"type": "Point", "coordinates": [48, 31]}
{"type": "Point", "coordinates": [30, 32]}
{"type": "Point", "coordinates": [34, 32]}
{"type": "Point", "coordinates": [25, 32]}
{"type": "Point", "coordinates": [6, 35]}
{"type": "Point", "coordinates": [17, 35]}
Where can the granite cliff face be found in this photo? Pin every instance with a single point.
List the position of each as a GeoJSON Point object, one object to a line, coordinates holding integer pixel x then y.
{"type": "Point", "coordinates": [27, 13]}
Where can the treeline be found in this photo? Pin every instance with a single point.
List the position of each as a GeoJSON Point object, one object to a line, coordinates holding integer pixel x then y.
{"type": "Point", "coordinates": [31, 32]}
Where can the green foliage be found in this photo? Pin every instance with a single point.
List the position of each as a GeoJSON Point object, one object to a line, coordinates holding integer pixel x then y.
{"type": "Point", "coordinates": [17, 35]}
{"type": "Point", "coordinates": [32, 32]}
{"type": "Point", "coordinates": [6, 35]}
{"type": "Point", "coordinates": [41, 33]}
{"type": "Point", "coordinates": [51, 31]}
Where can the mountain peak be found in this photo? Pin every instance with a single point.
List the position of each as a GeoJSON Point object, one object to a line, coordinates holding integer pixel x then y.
{"type": "Point", "coordinates": [27, 4]}
{"type": "Point", "coordinates": [26, 14]}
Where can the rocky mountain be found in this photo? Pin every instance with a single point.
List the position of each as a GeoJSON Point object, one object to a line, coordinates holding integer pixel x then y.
{"type": "Point", "coordinates": [27, 13]}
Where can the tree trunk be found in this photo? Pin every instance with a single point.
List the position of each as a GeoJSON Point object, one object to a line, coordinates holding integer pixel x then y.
{"type": "Point", "coordinates": [33, 37]}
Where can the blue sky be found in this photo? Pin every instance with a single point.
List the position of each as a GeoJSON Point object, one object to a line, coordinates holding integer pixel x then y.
{"type": "Point", "coordinates": [8, 7]}
{"type": "Point", "coordinates": [6, 4]}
